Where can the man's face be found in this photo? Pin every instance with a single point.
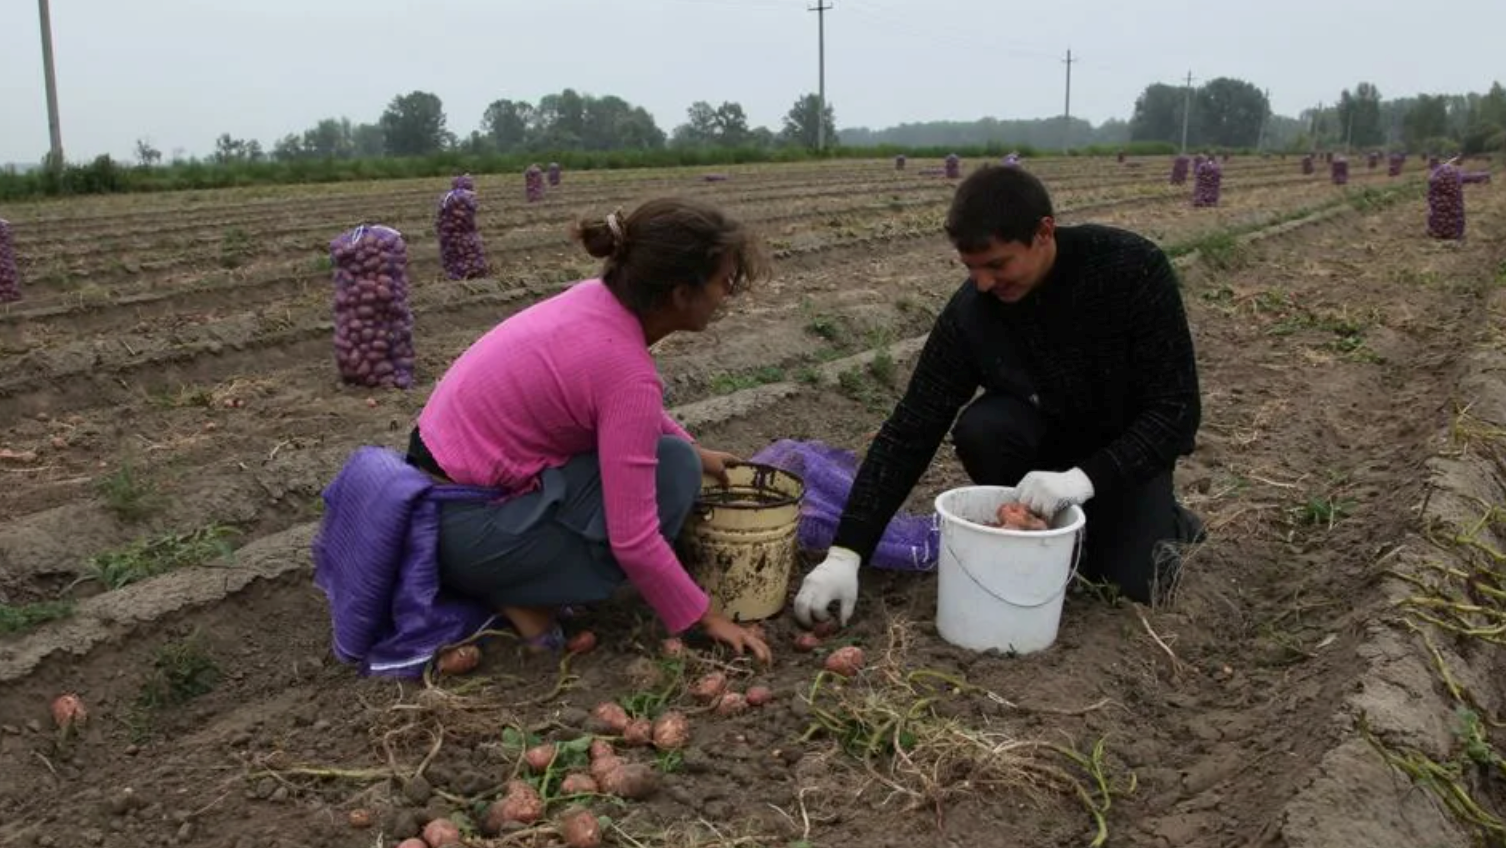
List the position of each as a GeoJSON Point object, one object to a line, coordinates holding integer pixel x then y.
{"type": "Point", "coordinates": [1011, 270]}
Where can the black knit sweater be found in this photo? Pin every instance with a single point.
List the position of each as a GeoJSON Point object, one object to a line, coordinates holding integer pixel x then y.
{"type": "Point", "coordinates": [1101, 347]}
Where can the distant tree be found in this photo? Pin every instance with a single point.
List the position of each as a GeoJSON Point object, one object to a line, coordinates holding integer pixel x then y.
{"type": "Point", "coordinates": [506, 123]}
{"type": "Point", "coordinates": [228, 149]}
{"type": "Point", "coordinates": [560, 121]}
{"type": "Point", "coordinates": [611, 123]}
{"type": "Point", "coordinates": [414, 125]}
{"type": "Point", "coordinates": [288, 148]}
{"type": "Point", "coordinates": [1228, 113]}
{"type": "Point", "coordinates": [146, 154]}
{"type": "Point", "coordinates": [699, 129]}
{"type": "Point", "coordinates": [1158, 114]}
{"type": "Point", "coordinates": [1426, 121]}
{"type": "Point", "coordinates": [1360, 116]}
{"type": "Point", "coordinates": [369, 140]}
{"type": "Point", "coordinates": [329, 139]}
{"type": "Point", "coordinates": [802, 123]}
{"type": "Point", "coordinates": [1487, 130]}
{"type": "Point", "coordinates": [732, 126]}
{"type": "Point", "coordinates": [723, 126]}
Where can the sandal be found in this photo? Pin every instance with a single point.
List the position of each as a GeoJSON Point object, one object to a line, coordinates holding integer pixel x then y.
{"type": "Point", "coordinates": [550, 641]}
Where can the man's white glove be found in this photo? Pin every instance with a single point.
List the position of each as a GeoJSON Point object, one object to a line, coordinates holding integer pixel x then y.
{"type": "Point", "coordinates": [835, 579]}
{"type": "Point", "coordinates": [1049, 492]}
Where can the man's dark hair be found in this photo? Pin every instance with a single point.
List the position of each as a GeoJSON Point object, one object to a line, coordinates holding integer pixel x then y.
{"type": "Point", "coordinates": [997, 202]}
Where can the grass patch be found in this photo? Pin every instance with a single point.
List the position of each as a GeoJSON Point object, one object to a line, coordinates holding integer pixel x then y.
{"type": "Point", "coordinates": [127, 494]}
{"type": "Point", "coordinates": [723, 384]}
{"type": "Point", "coordinates": [23, 617]}
{"type": "Point", "coordinates": [181, 671]}
{"type": "Point", "coordinates": [186, 397]}
{"type": "Point", "coordinates": [882, 368]}
{"type": "Point", "coordinates": [235, 248]}
{"type": "Point", "coordinates": [1322, 511]}
{"type": "Point", "coordinates": [149, 557]}
{"type": "Point", "coordinates": [824, 327]}
{"type": "Point", "coordinates": [1221, 251]}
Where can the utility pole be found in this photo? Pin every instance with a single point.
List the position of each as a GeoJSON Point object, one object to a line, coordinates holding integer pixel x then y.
{"type": "Point", "coordinates": [1067, 112]}
{"type": "Point", "coordinates": [822, 7]}
{"type": "Point", "coordinates": [1186, 112]}
{"type": "Point", "coordinates": [1265, 116]}
{"type": "Point", "coordinates": [54, 126]}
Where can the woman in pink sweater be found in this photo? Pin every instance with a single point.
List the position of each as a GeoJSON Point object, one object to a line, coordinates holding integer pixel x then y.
{"type": "Point", "coordinates": [561, 405]}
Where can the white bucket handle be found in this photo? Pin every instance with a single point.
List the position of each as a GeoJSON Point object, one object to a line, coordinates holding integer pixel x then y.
{"type": "Point", "coordinates": [1077, 547]}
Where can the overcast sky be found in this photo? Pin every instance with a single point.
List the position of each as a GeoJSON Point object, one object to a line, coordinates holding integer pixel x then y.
{"type": "Point", "coordinates": [180, 72]}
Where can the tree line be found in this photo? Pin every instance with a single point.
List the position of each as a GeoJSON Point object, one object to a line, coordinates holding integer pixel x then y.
{"type": "Point", "coordinates": [1225, 113]}
{"type": "Point", "coordinates": [1228, 112]}
{"type": "Point", "coordinates": [415, 124]}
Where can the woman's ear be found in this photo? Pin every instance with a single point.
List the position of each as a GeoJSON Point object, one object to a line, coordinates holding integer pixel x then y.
{"type": "Point", "coordinates": [682, 297]}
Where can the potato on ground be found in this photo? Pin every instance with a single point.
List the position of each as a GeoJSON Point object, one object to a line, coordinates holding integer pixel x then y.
{"type": "Point", "coordinates": [521, 804]}
{"type": "Point", "coordinates": [610, 716]}
{"type": "Point", "coordinates": [441, 832]}
{"type": "Point", "coordinates": [633, 781]}
{"type": "Point", "coordinates": [461, 660]}
{"type": "Point", "coordinates": [709, 687]}
{"type": "Point", "coordinates": [846, 661]}
{"type": "Point", "coordinates": [579, 784]}
{"type": "Point", "coordinates": [639, 733]}
{"type": "Point", "coordinates": [671, 731]}
{"type": "Point", "coordinates": [539, 757]}
{"type": "Point", "coordinates": [731, 704]}
{"type": "Point", "coordinates": [580, 828]}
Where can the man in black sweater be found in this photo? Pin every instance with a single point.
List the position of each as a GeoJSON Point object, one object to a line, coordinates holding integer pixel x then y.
{"type": "Point", "coordinates": [1079, 339]}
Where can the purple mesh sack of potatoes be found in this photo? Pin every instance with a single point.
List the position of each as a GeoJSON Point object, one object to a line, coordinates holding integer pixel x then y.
{"type": "Point", "coordinates": [1446, 203]}
{"type": "Point", "coordinates": [533, 184]}
{"type": "Point", "coordinates": [373, 323]}
{"type": "Point", "coordinates": [1179, 170]}
{"type": "Point", "coordinates": [1339, 171]}
{"type": "Point", "coordinates": [10, 276]}
{"type": "Point", "coordinates": [554, 173]}
{"type": "Point", "coordinates": [1205, 186]}
{"type": "Point", "coordinates": [953, 166]}
{"type": "Point", "coordinates": [460, 249]}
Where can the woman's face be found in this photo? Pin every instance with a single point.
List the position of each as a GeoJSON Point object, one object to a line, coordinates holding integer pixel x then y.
{"type": "Point", "coordinates": [699, 306]}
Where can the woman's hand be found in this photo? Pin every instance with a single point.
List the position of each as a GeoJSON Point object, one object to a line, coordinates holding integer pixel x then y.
{"type": "Point", "coordinates": [716, 463]}
{"type": "Point", "coordinates": [726, 631]}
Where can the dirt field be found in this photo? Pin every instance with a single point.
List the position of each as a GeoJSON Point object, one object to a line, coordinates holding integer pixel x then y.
{"type": "Point", "coordinates": [170, 413]}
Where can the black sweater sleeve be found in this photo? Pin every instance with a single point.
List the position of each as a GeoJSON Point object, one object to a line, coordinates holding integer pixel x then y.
{"type": "Point", "coordinates": [1164, 405]}
{"type": "Point", "coordinates": [945, 378]}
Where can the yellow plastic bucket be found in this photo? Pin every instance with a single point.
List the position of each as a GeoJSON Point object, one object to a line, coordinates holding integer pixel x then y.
{"type": "Point", "coordinates": [739, 542]}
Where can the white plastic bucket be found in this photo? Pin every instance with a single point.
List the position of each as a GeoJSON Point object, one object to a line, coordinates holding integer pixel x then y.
{"type": "Point", "coordinates": [1002, 589]}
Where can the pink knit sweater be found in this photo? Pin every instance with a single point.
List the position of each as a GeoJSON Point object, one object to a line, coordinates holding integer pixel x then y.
{"type": "Point", "coordinates": [566, 376]}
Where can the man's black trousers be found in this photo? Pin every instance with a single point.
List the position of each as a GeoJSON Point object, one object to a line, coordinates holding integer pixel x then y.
{"type": "Point", "coordinates": [1000, 439]}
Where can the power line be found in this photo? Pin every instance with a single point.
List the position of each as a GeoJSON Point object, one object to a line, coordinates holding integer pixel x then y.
{"type": "Point", "coordinates": [821, 9]}
{"type": "Point", "coordinates": [1067, 111]}
{"type": "Point", "coordinates": [54, 125]}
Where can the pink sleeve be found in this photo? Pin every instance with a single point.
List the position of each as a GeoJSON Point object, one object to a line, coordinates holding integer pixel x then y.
{"type": "Point", "coordinates": [672, 427]}
{"type": "Point", "coordinates": [629, 425]}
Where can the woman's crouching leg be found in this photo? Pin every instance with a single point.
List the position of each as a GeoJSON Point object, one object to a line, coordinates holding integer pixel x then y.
{"type": "Point", "coordinates": [678, 483]}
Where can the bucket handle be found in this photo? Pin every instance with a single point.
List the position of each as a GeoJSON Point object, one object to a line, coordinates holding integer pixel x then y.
{"type": "Point", "coordinates": [1076, 560]}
